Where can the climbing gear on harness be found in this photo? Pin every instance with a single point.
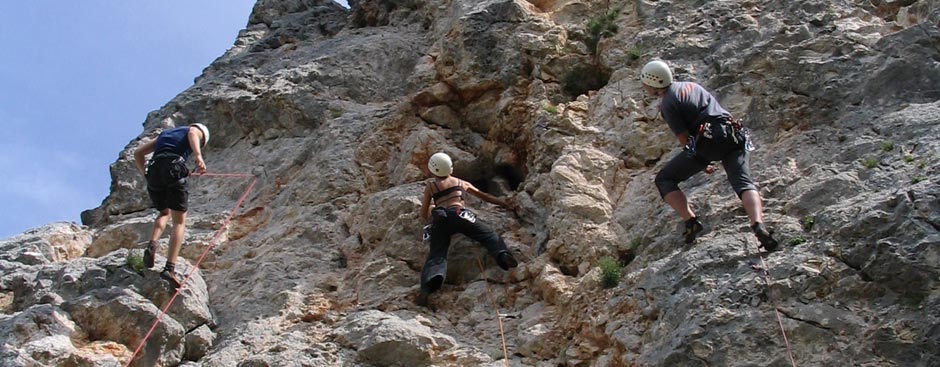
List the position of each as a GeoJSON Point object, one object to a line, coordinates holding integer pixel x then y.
{"type": "Point", "coordinates": [426, 233]}
{"type": "Point", "coordinates": [656, 74]}
{"type": "Point", "coordinates": [715, 138]}
{"type": "Point", "coordinates": [148, 254]}
{"type": "Point", "coordinates": [441, 165]}
{"type": "Point", "coordinates": [205, 132]}
{"type": "Point", "coordinates": [689, 147]}
{"type": "Point", "coordinates": [692, 228]}
{"type": "Point", "coordinates": [765, 237]}
{"type": "Point", "coordinates": [467, 215]}
{"type": "Point", "coordinates": [166, 169]}
{"type": "Point", "coordinates": [506, 261]}
{"type": "Point", "coordinates": [748, 144]}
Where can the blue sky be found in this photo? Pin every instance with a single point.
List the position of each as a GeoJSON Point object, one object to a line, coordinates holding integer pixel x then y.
{"type": "Point", "coordinates": [77, 79]}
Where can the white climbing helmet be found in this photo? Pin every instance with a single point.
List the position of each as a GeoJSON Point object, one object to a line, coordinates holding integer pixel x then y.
{"type": "Point", "coordinates": [441, 165]}
{"type": "Point", "coordinates": [656, 74]}
{"type": "Point", "coordinates": [205, 132]}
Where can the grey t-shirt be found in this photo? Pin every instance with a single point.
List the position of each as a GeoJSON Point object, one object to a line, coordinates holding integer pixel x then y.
{"type": "Point", "coordinates": [686, 105]}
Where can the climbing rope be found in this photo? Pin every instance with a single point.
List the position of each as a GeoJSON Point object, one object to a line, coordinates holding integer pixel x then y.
{"type": "Point", "coordinates": [195, 266]}
{"type": "Point", "coordinates": [773, 300]}
{"type": "Point", "coordinates": [499, 319]}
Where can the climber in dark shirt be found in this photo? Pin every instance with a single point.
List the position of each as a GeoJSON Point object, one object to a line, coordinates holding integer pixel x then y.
{"type": "Point", "coordinates": [442, 206]}
{"type": "Point", "coordinates": [709, 134]}
{"type": "Point", "coordinates": [166, 184]}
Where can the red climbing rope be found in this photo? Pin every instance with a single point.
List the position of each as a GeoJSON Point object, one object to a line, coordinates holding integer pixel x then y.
{"type": "Point", "coordinates": [499, 319]}
{"type": "Point", "coordinates": [195, 266]}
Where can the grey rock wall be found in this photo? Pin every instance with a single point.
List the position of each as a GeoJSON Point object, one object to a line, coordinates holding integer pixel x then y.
{"type": "Point", "coordinates": [336, 111]}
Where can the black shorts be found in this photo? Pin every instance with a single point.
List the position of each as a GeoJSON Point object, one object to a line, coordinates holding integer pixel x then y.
{"type": "Point", "coordinates": [166, 183]}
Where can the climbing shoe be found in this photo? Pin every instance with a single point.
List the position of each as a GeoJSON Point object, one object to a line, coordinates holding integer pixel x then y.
{"type": "Point", "coordinates": [422, 300]}
{"type": "Point", "coordinates": [767, 241]}
{"type": "Point", "coordinates": [148, 254]}
{"type": "Point", "coordinates": [170, 277]}
{"type": "Point", "coordinates": [506, 261]}
{"type": "Point", "coordinates": [692, 228]}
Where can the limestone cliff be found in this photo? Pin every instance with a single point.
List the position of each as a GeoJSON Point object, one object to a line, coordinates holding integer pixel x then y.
{"type": "Point", "coordinates": [336, 111]}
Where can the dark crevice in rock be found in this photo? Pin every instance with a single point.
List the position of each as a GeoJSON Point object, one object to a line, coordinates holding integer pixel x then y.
{"type": "Point", "coordinates": [809, 322]}
{"type": "Point", "coordinates": [858, 268]}
{"type": "Point", "coordinates": [495, 178]}
{"type": "Point", "coordinates": [195, 327]}
{"type": "Point", "coordinates": [570, 271]}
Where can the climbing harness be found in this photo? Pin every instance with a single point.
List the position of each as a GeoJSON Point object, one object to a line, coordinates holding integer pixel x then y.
{"type": "Point", "coordinates": [195, 266]}
{"type": "Point", "coordinates": [499, 316]}
{"type": "Point", "coordinates": [722, 132]}
{"type": "Point", "coordinates": [764, 269]}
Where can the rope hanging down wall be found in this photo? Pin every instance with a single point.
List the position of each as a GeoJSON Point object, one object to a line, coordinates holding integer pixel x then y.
{"type": "Point", "coordinates": [195, 266]}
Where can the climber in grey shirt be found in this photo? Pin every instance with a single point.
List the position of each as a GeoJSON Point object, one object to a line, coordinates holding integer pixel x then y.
{"type": "Point", "coordinates": [708, 133]}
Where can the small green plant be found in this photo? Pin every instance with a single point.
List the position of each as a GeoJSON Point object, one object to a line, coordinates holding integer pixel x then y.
{"type": "Point", "coordinates": [335, 113]}
{"type": "Point", "coordinates": [908, 158]}
{"type": "Point", "coordinates": [610, 272]}
{"type": "Point", "coordinates": [921, 165]}
{"type": "Point", "coordinates": [913, 299]}
{"type": "Point", "coordinates": [917, 180]}
{"type": "Point", "coordinates": [870, 162]}
{"type": "Point", "coordinates": [634, 53]}
{"type": "Point", "coordinates": [135, 262]}
{"type": "Point", "coordinates": [602, 27]}
{"type": "Point", "coordinates": [550, 108]}
{"type": "Point", "coordinates": [796, 241]}
{"type": "Point", "coordinates": [887, 145]}
{"type": "Point", "coordinates": [808, 223]}
{"type": "Point", "coordinates": [636, 242]}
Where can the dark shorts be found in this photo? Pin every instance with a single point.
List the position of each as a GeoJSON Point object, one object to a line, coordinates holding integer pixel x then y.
{"type": "Point", "coordinates": [166, 183]}
{"type": "Point", "coordinates": [732, 155]}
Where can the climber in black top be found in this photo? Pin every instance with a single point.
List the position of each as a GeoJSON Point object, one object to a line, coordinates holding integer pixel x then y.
{"type": "Point", "coordinates": [708, 133]}
{"type": "Point", "coordinates": [166, 184]}
{"type": "Point", "coordinates": [448, 216]}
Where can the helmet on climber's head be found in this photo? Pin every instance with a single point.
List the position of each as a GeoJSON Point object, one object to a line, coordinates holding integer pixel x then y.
{"type": "Point", "coordinates": [440, 165]}
{"type": "Point", "coordinates": [205, 132]}
{"type": "Point", "coordinates": [656, 74]}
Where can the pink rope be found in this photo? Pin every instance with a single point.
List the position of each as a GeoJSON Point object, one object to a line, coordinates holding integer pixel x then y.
{"type": "Point", "coordinates": [195, 266]}
{"type": "Point", "coordinates": [776, 310]}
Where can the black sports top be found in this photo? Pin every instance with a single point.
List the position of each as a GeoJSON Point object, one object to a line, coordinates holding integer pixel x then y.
{"type": "Point", "coordinates": [442, 193]}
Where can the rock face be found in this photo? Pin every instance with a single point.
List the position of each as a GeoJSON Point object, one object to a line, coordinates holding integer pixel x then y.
{"type": "Point", "coordinates": [90, 311]}
{"type": "Point", "coordinates": [336, 112]}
